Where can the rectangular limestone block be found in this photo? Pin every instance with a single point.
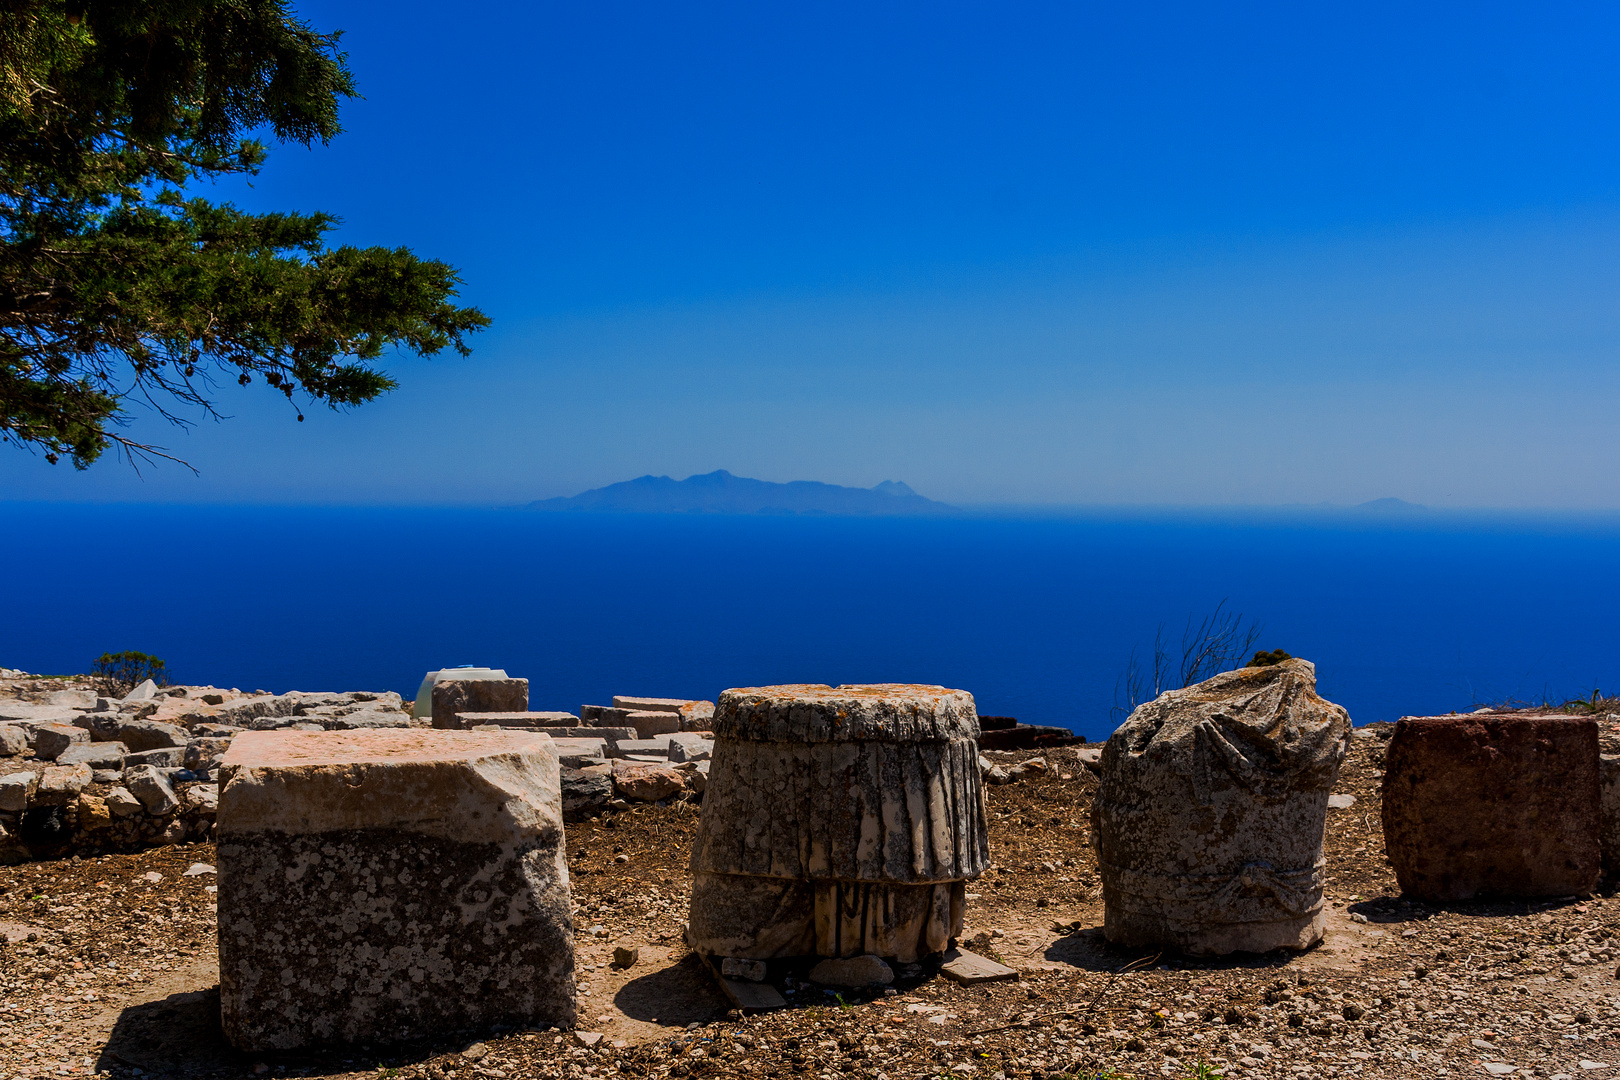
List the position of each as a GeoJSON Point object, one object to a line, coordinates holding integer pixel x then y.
{"type": "Point", "coordinates": [650, 725]}
{"type": "Point", "coordinates": [649, 704]}
{"type": "Point", "coordinates": [477, 695]}
{"type": "Point", "coordinates": [658, 748]}
{"type": "Point", "coordinates": [469, 720]}
{"type": "Point", "coordinates": [391, 884]}
{"type": "Point", "coordinates": [1501, 804]}
{"type": "Point", "coordinates": [570, 752]}
{"type": "Point", "coordinates": [609, 735]}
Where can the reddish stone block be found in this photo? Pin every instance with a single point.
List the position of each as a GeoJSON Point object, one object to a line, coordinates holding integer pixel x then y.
{"type": "Point", "coordinates": [1493, 804]}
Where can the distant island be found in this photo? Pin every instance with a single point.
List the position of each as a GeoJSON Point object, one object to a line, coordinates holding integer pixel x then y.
{"type": "Point", "coordinates": [720, 492]}
{"type": "Point", "coordinates": [1392, 506]}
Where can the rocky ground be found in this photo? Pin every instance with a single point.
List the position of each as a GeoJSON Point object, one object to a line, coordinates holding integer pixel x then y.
{"type": "Point", "coordinates": [108, 968]}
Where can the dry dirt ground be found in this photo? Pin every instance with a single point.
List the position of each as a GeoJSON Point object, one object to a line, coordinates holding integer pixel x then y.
{"type": "Point", "coordinates": [108, 968]}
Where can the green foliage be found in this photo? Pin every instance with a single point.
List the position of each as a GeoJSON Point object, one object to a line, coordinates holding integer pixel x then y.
{"type": "Point", "coordinates": [1202, 1071]}
{"type": "Point", "coordinates": [1267, 659]}
{"type": "Point", "coordinates": [1593, 705]}
{"type": "Point", "coordinates": [115, 283]}
{"type": "Point", "coordinates": [116, 674]}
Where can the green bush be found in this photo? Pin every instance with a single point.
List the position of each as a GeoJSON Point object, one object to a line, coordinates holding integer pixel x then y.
{"type": "Point", "coordinates": [1267, 659]}
{"type": "Point", "coordinates": [116, 674]}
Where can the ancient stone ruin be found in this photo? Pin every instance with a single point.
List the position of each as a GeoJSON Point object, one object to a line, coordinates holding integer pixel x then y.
{"type": "Point", "coordinates": [1209, 817]}
{"type": "Point", "coordinates": [1493, 805]}
{"type": "Point", "coordinates": [838, 822]}
{"type": "Point", "coordinates": [390, 884]}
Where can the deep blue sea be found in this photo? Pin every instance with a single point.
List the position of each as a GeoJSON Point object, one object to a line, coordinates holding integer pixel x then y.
{"type": "Point", "coordinates": [1036, 617]}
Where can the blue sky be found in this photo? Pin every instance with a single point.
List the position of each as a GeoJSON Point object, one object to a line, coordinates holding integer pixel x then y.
{"type": "Point", "coordinates": [1011, 253]}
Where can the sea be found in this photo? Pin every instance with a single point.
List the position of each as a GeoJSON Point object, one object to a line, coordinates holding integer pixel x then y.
{"type": "Point", "coordinates": [1038, 616]}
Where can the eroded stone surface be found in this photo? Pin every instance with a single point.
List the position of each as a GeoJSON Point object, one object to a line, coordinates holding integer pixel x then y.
{"type": "Point", "coordinates": [837, 821]}
{"type": "Point", "coordinates": [854, 972]}
{"type": "Point", "coordinates": [389, 884]}
{"type": "Point", "coordinates": [477, 696]}
{"type": "Point", "coordinates": [646, 783]}
{"type": "Point", "coordinates": [51, 739]}
{"type": "Point", "coordinates": [1209, 817]}
{"type": "Point", "coordinates": [1498, 805]}
{"type": "Point", "coordinates": [1609, 779]}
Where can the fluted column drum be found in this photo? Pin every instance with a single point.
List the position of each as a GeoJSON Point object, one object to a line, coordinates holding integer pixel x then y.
{"type": "Point", "coordinates": [838, 821]}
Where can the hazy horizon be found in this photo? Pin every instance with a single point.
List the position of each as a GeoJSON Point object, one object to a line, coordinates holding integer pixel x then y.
{"type": "Point", "coordinates": [1039, 256]}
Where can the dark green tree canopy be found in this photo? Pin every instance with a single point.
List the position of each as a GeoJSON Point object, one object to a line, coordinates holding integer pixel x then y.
{"type": "Point", "coordinates": [118, 282]}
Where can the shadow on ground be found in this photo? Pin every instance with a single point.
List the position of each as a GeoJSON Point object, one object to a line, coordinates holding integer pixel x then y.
{"type": "Point", "coordinates": [181, 1033]}
{"type": "Point", "coordinates": [178, 1032]}
{"type": "Point", "coordinates": [1088, 950]}
{"type": "Point", "coordinates": [674, 996]}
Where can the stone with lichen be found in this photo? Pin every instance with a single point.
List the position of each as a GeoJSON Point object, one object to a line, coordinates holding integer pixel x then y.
{"type": "Point", "coordinates": [391, 884]}
{"type": "Point", "coordinates": [1209, 817]}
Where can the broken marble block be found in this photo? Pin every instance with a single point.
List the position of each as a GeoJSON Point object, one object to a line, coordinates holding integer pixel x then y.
{"type": "Point", "coordinates": [391, 884]}
{"type": "Point", "coordinates": [1209, 816]}
{"type": "Point", "coordinates": [838, 822]}
{"type": "Point", "coordinates": [477, 696]}
{"type": "Point", "coordinates": [1502, 804]}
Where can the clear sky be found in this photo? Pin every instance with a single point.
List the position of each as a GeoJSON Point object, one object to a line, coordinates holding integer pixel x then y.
{"type": "Point", "coordinates": [1008, 253]}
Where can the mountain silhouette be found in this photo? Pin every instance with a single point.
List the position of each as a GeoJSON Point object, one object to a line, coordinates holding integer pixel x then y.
{"type": "Point", "coordinates": [720, 492]}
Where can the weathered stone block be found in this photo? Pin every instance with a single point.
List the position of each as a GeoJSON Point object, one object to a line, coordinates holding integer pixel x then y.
{"type": "Point", "coordinates": [141, 735]}
{"type": "Point", "coordinates": [122, 802]}
{"type": "Point", "coordinates": [206, 753]}
{"type": "Point", "coordinates": [1609, 808]}
{"type": "Point", "coordinates": [585, 793]}
{"type": "Point", "coordinates": [93, 813]}
{"type": "Point", "coordinates": [60, 785]}
{"type": "Point", "coordinates": [610, 735]}
{"type": "Point", "coordinates": [1209, 816]}
{"type": "Point", "coordinates": [854, 972]}
{"type": "Point", "coordinates": [541, 720]}
{"type": "Point", "coordinates": [658, 748]}
{"type": "Point", "coordinates": [652, 724]}
{"type": "Point", "coordinates": [16, 789]}
{"type": "Point", "coordinates": [13, 740]}
{"type": "Point", "coordinates": [571, 751]}
{"type": "Point", "coordinates": [646, 782]}
{"type": "Point", "coordinates": [51, 739]}
{"type": "Point", "coordinates": [150, 786]}
{"type": "Point", "coordinates": [689, 746]}
{"type": "Point", "coordinates": [391, 884]}
{"type": "Point", "coordinates": [697, 716]}
{"type": "Point", "coordinates": [477, 696]}
{"type": "Point", "coordinates": [107, 755]}
{"type": "Point", "coordinates": [168, 757]}
{"type": "Point", "coordinates": [1493, 805]}
{"type": "Point", "coordinates": [649, 704]}
{"type": "Point", "coordinates": [200, 799]}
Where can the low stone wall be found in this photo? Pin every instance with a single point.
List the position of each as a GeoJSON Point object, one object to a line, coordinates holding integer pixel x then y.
{"type": "Point", "coordinates": [81, 773]}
